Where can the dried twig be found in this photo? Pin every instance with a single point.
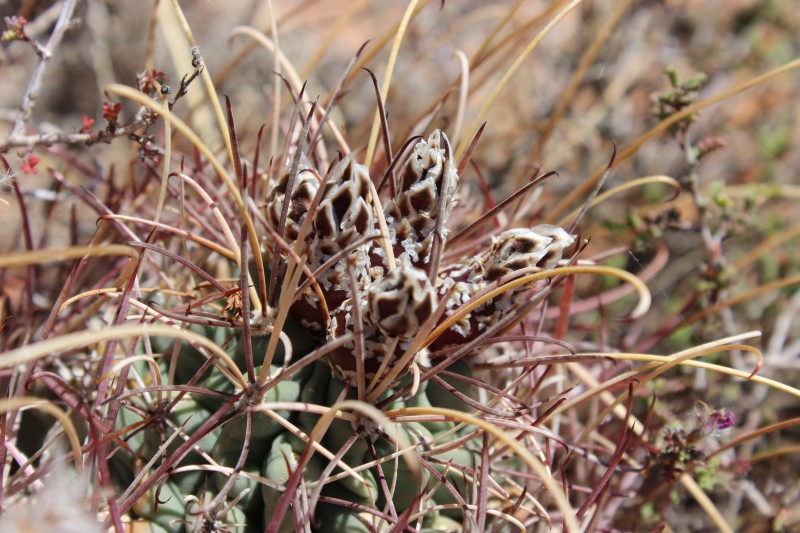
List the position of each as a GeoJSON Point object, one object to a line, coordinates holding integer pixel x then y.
{"type": "Point", "coordinates": [59, 137]}
{"type": "Point", "coordinates": [35, 84]}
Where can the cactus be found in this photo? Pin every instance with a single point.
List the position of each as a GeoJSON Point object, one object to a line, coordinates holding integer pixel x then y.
{"type": "Point", "coordinates": [381, 311]}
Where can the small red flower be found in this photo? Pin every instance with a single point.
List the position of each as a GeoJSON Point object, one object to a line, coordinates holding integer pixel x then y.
{"type": "Point", "coordinates": [87, 124]}
{"type": "Point", "coordinates": [111, 112]}
{"type": "Point", "coordinates": [149, 79]}
{"type": "Point", "coordinates": [29, 165]}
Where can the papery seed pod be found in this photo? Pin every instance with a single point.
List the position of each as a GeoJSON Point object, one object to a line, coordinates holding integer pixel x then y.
{"type": "Point", "coordinates": [343, 216]}
{"type": "Point", "coordinates": [345, 212]}
{"type": "Point", "coordinates": [401, 302]}
{"type": "Point", "coordinates": [395, 308]}
{"type": "Point", "coordinates": [305, 188]}
{"type": "Point", "coordinates": [514, 250]}
{"type": "Point", "coordinates": [428, 179]}
{"type": "Point", "coordinates": [554, 250]}
{"type": "Point", "coordinates": [520, 248]}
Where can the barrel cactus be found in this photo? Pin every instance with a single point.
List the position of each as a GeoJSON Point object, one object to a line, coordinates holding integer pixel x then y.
{"type": "Point", "coordinates": [361, 328]}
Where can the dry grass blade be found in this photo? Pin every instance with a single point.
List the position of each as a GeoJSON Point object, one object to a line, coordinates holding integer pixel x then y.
{"type": "Point", "coordinates": [513, 68]}
{"type": "Point", "coordinates": [20, 402]}
{"type": "Point", "coordinates": [664, 125]}
{"type": "Point", "coordinates": [387, 77]}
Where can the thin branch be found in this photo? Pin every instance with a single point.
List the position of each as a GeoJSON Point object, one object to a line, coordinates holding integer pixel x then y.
{"type": "Point", "coordinates": [35, 84]}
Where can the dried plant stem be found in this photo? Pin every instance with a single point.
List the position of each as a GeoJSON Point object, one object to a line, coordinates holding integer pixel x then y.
{"type": "Point", "coordinates": [384, 229]}
{"type": "Point", "coordinates": [387, 79]}
{"type": "Point", "coordinates": [212, 205]}
{"type": "Point", "coordinates": [213, 98]}
{"type": "Point", "coordinates": [640, 182]}
{"type": "Point", "coordinates": [463, 94]}
{"type": "Point", "coordinates": [288, 194]}
{"type": "Point", "coordinates": [296, 83]}
{"type": "Point", "coordinates": [508, 16]}
{"type": "Point", "coordinates": [581, 190]}
{"type": "Point", "coordinates": [35, 83]}
{"type": "Point", "coordinates": [114, 291]}
{"type": "Point", "coordinates": [770, 243]}
{"type": "Point", "coordinates": [743, 297]}
{"type": "Point", "coordinates": [377, 45]}
{"type": "Point", "coordinates": [162, 193]}
{"type": "Point", "coordinates": [335, 30]}
{"type": "Point", "coordinates": [242, 54]}
{"type": "Point", "coordinates": [284, 303]}
{"type": "Point", "coordinates": [276, 82]}
{"type": "Point", "coordinates": [211, 245]}
{"type": "Point", "coordinates": [577, 78]}
{"type": "Point", "coordinates": [181, 126]}
{"type": "Point", "coordinates": [686, 480]}
{"type": "Point", "coordinates": [705, 502]}
{"type": "Point", "coordinates": [655, 362]}
{"type": "Point", "coordinates": [65, 254]}
{"type": "Point", "coordinates": [49, 139]}
{"type": "Point", "coordinates": [513, 68]}
{"type": "Point", "coordinates": [657, 370]}
{"type": "Point", "coordinates": [784, 424]}
{"type": "Point", "coordinates": [780, 451]}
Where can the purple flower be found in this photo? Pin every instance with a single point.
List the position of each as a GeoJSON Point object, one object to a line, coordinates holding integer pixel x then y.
{"type": "Point", "coordinates": [721, 419]}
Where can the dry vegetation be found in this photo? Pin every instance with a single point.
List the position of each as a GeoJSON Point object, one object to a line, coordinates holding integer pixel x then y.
{"type": "Point", "coordinates": [637, 370]}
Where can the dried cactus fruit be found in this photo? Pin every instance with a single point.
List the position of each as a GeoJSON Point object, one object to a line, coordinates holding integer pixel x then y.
{"type": "Point", "coordinates": [401, 302]}
{"type": "Point", "coordinates": [305, 188]}
{"type": "Point", "coordinates": [343, 216]}
{"type": "Point", "coordinates": [554, 250]}
{"type": "Point", "coordinates": [541, 246]}
{"type": "Point", "coordinates": [393, 305]}
{"type": "Point", "coordinates": [429, 178]}
{"type": "Point", "coordinates": [395, 308]}
{"type": "Point", "coordinates": [513, 250]}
